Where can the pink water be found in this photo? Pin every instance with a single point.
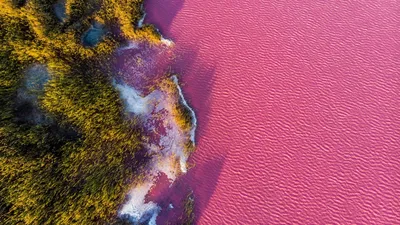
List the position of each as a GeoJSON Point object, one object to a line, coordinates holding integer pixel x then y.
{"type": "Point", "coordinates": [298, 108]}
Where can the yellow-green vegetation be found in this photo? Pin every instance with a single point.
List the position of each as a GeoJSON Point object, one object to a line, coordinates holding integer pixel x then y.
{"type": "Point", "coordinates": [188, 215]}
{"type": "Point", "coordinates": [74, 169]}
{"type": "Point", "coordinates": [180, 112]}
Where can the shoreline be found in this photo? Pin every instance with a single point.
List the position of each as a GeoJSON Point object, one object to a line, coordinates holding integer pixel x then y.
{"type": "Point", "coordinates": [167, 94]}
{"type": "Point", "coordinates": [90, 151]}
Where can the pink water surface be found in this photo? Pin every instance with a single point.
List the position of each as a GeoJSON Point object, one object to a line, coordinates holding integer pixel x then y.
{"type": "Point", "coordinates": [298, 108]}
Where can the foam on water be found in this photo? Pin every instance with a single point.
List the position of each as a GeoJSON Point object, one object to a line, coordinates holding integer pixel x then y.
{"type": "Point", "coordinates": [140, 22]}
{"type": "Point", "coordinates": [133, 101]}
{"type": "Point", "coordinates": [130, 45]}
{"type": "Point", "coordinates": [136, 209]}
{"type": "Point", "coordinates": [193, 115]}
{"type": "Point", "coordinates": [166, 41]}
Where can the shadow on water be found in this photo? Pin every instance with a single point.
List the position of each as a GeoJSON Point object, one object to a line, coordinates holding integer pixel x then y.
{"type": "Point", "coordinates": [197, 83]}
{"type": "Point", "coordinates": [196, 78]}
{"type": "Point", "coordinates": [162, 13]}
{"type": "Point", "coordinates": [201, 180]}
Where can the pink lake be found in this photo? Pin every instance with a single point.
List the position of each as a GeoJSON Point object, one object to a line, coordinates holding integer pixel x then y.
{"type": "Point", "coordinates": [298, 108]}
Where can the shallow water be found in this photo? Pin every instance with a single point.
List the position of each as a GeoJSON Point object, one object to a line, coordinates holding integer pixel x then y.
{"type": "Point", "coordinates": [59, 10]}
{"type": "Point", "coordinates": [298, 108]}
{"type": "Point", "coordinates": [93, 35]}
{"type": "Point", "coordinates": [151, 95]}
{"type": "Point", "coordinates": [27, 102]}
